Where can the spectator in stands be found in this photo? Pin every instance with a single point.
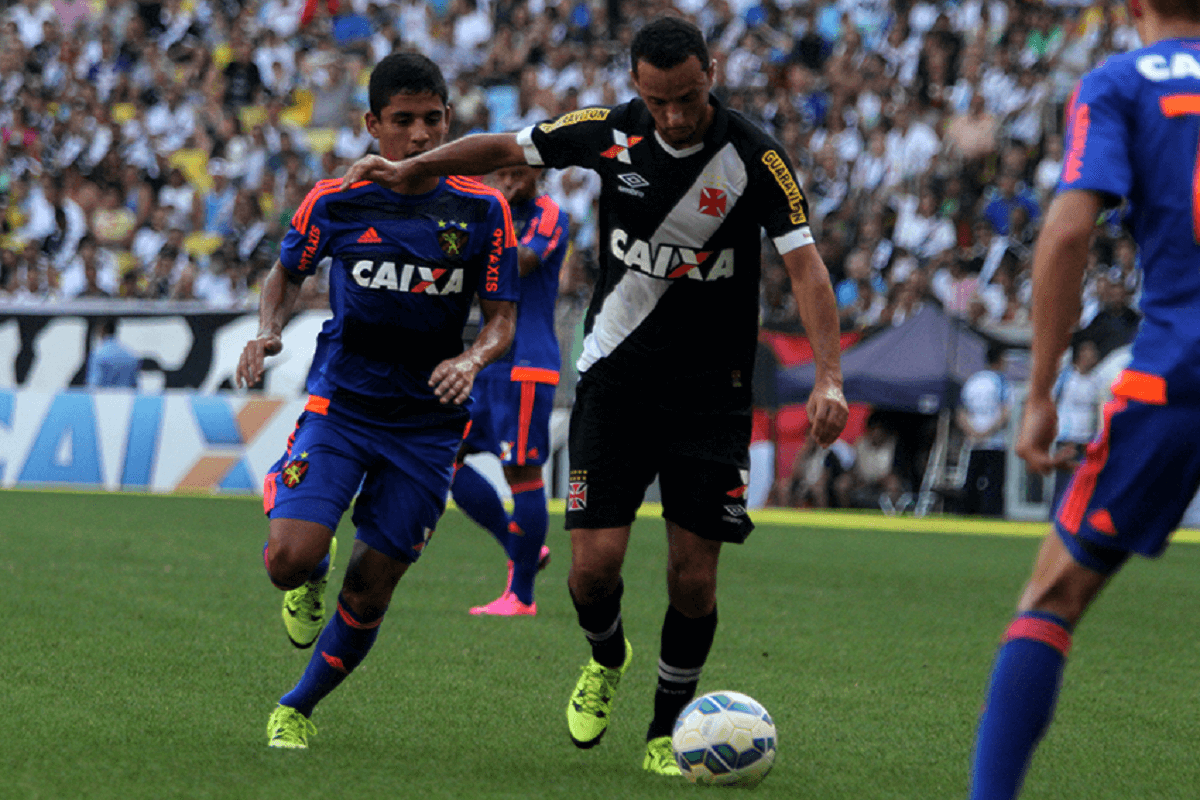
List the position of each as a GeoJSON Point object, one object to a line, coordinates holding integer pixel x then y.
{"type": "Point", "coordinates": [1078, 395]}
{"type": "Point", "coordinates": [982, 416]}
{"type": "Point", "coordinates": [91, 273]}
{"type": "Point", "coordinates": [871, 480]}
{"type": "Point", "coordinates": [113, 225]}
{"type": "Point", "coordinates": [110, 364]}
{"type": "Point", "coordinates": [1009, 193]}
{"type": "Point", "coordinates": [213, 212]}
{"type": "Point", "coordinates": [243, 81]}
{"type": "Point", "coordinates": [861, 297]}
{"type": "Point", "coordinates": [1117, 321]}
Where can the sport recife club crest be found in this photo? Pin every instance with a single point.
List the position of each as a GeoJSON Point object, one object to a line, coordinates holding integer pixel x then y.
{"type": "Point", "coordinates": [452, 237]}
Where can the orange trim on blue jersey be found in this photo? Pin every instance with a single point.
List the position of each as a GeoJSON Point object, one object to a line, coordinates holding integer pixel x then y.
{"type": "Point", "coordinates": [317, 405]}
{"type": "Point", "coordinates": [1080, 120]}
{"type": "Point", "coordinates": [319, 190]}
{"type": "Point", "coordinates": [1141, 386]}
{"type": "Point", "coordinates": [467, 430]}
{"type": "Point", "coordinates": [475, 187]}
{"type": "Point", "coordinates": [1040, 630]}
{"type": "Point", "coordinates": [1177, 105]}
{"type": "Point", "coordinates": [349, 619]}
{"type": "Point", "coordinates": [269, 490]}
{"type": "Point", "coordinates": [549, 215]}
{"type": "Point", "coordinates": [527, 486]}
{"type": "Point", "coordinates": [534, 374]}
{"type": "Point", "coordinates": [1079, 494]}
{"type": "Point", "coordinates": [528, 395]}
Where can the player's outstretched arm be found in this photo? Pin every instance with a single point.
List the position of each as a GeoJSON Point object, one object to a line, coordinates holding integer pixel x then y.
{"type": "Point", "coordinates": [453, 378]}
{"type": "Point", "coordinates": [827, 409]}
{"type": "Point", "coordinates": [1059, 261]}
{"type": "Point", "coordinates": [476, 154]}
{"type": "Point", "coordinates": [279, 294]}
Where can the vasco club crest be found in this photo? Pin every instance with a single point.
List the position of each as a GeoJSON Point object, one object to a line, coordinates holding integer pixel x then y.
{"type": "Point", "coordinates": [452, 237]}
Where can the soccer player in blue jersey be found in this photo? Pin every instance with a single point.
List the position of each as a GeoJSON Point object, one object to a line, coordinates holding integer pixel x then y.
{"type": "Point", "coordinates": [1132, 126]}
{"type": "Point", "coordinates": [514, 398]}
{"type": "Point", "coordinates": [390, 380]}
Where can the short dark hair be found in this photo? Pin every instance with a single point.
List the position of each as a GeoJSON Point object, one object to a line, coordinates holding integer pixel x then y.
{"type": "Point", "coordinates": [404, 73]}
{"type": "Point", "coordinates": [667, 42]}
{"type": "Point", "coordinates": [1177, 9]}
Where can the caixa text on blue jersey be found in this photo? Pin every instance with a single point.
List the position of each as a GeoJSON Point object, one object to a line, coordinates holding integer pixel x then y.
{"type": "Point", "coordinates": [670, 261]}
{"type": "Point", "coordinates": [409, 278]}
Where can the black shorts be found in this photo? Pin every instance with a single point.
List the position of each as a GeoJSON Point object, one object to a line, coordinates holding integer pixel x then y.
{"type": "Point", "coordinates": [619, 442]}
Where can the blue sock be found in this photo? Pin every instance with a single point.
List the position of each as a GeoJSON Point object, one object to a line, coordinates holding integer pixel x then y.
{"type": "Point", "coordinates": [320, 570]}
{"type": "Point", "coordinates": [476, 496]}
{"type": "Point", "coordinates": [1020, 702]}
{"type": "Point", "coordinates": [341, 647]}
{"type": "Point", "coordinates": [531, 519]}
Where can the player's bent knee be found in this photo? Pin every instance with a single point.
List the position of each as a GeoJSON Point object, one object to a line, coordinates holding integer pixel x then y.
{"type": "Point", "coordinates": [294, 549]}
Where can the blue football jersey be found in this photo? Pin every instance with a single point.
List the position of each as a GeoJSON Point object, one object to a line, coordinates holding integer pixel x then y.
{"type": "Point", "coordinates": [404, 270]}
{"type": "Point", "coordinates": [542, 227]}
{"type": "Point", "coordinates": [1133, 132]}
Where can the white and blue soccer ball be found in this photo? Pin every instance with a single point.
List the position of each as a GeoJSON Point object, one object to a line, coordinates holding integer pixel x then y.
{"type": "Point", "coordinates": [724, 739]}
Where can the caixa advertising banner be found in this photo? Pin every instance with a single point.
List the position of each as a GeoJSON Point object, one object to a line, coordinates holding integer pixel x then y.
{"type": "Point", "coordinates": [184, 429]}
{"type": "Point", "coordinates": [119, 440]}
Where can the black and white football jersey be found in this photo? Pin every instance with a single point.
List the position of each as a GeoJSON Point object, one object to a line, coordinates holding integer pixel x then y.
{"type": "Point", "coordinates": [675, 309]}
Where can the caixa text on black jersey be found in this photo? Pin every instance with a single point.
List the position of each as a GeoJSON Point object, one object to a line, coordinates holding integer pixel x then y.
{"type": "Point", "coordinates": [670, 261]}
{"type": "Point", "coordinates": [407, 277]}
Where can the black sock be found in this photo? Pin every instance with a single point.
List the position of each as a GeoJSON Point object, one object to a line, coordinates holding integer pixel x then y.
{"type": "Point", "coordinates": [685, 646]}
{"type": "Point", "coordinates": [601, 623]}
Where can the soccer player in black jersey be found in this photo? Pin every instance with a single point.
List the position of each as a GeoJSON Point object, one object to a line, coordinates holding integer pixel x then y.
{"type": "Point", "coordinates": [688, 186]}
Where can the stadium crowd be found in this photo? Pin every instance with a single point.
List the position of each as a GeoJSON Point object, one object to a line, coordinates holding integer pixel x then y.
{"type": "Point", "coordinates": [157, 150]}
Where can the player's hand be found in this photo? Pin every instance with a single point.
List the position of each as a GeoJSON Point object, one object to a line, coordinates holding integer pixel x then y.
{"type": "Point", "coordinates": [1038, 426]}
{"type": "Point", "coordinates": [1066, 457]}
{"type": "Point", "coordinates": [827, 413]}
{"type": "Point", "coordinates": [452, 379]}
{"type": "Point", "coordinates": [389, 174]}
{"type": "Point", "coordinates": [250, 366]}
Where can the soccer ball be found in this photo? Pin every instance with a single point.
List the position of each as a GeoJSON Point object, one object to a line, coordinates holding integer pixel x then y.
{"type": "Point", "coordinates": [724, 739]}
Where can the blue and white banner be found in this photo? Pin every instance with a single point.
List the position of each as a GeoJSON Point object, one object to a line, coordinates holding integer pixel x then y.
{"type": "Point", "coordinates": [119, 440]}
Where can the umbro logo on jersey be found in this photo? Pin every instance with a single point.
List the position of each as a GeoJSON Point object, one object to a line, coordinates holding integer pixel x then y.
{"type": "Point", "coordinates": [633, 180]}
{"type": "Point", "coordinates": [671, 261]}
{"type": "Point", "coordinates": [370, 236]}
{"type": "Point", "coordinates": [712, 202]}
{"type": "Point", "coordinates": [407, 278]}
{"type": "Point", "coordinates": [621, 145]}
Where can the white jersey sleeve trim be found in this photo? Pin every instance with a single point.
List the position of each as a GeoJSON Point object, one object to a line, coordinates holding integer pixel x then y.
{"type": "Point", "coordinates": [532, 157]}
{"type": "Point", "coordinates": [794, 240]}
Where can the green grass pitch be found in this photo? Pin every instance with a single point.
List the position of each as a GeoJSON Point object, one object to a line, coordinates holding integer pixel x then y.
{"type": "Point", "coordinates": [143, 653]}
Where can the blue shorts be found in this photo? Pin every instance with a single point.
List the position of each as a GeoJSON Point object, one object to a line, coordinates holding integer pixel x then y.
{"type": "Point", "coordinates": [404, 473]}
{"type": "Point", "coordinates": [1133, 487]}
{"type": "Point", "coordinates": [510, 416]}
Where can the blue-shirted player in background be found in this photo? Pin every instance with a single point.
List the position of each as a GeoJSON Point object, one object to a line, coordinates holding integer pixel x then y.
{"type": "Point", "coordinates": [514, 397]}
{"type": "Point", "coordinates": [1133, 132]}
{"type": "Point", "coordinates": [389, 380]}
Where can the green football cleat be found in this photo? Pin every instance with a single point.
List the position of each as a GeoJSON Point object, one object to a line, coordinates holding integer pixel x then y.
{"type": "Point", "coordinates": [660, 757]}
{"type": "Point", "coordinates": [304, 607]}
{"type": "Point", "coordinates": [288, 728]}
{"type": "Point", "coordinates": [591, 703]}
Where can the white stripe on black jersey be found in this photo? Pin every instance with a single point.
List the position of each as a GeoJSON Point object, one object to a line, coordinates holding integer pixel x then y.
{"type": "Point", "coordinates": [675, 308]}
{"type": "Point", "coordinates": [636, 294]}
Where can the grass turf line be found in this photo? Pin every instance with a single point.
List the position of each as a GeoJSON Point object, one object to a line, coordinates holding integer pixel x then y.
{"type": "Point", "coordinates": [145, 653]}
